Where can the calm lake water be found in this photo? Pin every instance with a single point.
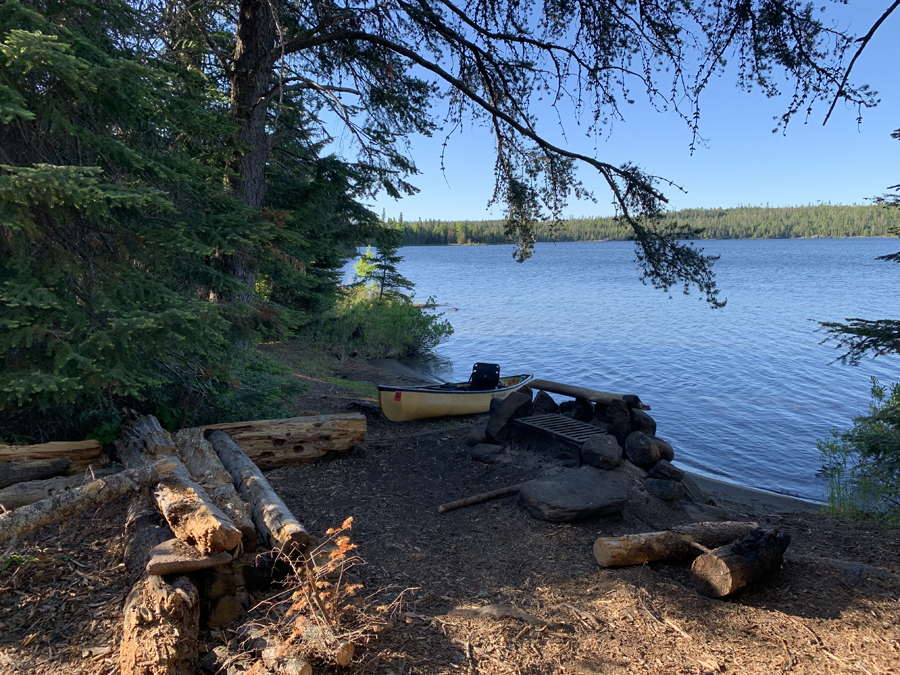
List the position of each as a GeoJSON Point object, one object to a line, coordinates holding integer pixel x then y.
{"type": "Point", "coordinates": [742, 393]}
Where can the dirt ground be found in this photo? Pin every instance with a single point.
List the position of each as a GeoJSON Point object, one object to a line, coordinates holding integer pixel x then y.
{"type": "Point", "coordinates": [833, 607]}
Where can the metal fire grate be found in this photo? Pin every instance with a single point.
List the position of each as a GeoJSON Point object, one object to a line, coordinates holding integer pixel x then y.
{"type": "Point", "coordinates": [562, 427]}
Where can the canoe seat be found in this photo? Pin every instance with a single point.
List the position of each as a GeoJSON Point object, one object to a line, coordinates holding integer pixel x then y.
{"type": "Point", "coordinates": [484, 376]}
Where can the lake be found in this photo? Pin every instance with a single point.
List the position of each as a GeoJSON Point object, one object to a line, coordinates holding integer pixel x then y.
{"type": "Point", "coordinates": [742, 392]}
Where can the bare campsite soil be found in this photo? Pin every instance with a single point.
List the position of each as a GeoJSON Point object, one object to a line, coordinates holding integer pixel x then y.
{"type": "Point", "coordinates": [833, 608]}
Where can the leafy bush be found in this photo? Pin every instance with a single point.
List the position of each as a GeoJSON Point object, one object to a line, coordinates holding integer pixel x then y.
{"type": "Point", "coordinates": [362, 325]}
{"type": "Point", "coordinates": [862, 463]}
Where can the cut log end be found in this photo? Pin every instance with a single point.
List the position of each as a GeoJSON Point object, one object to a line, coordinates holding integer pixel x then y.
{"type": "Point", "coordinates": [730, 568]}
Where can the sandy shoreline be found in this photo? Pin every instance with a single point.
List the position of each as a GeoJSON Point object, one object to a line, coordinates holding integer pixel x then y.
{"type": "Point", "coordinates": [728, 495]}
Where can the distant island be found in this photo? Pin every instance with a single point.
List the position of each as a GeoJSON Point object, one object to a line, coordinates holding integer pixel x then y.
{"type": "Point", "coordinates": [743, 222]}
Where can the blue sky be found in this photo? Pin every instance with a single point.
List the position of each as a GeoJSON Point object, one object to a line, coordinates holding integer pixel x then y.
{"type": "Point", "coordinates": [743, 163]}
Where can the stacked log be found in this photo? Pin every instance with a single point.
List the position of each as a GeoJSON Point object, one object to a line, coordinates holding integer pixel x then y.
{"type": "Point", "coordinates": [18, 472]}
{"type": "Point", "coordinates": [295, 440]}
{"type": "Point", "coordinates": [81, 454]}
{"type": "Point", "coordinates": [31, 491]}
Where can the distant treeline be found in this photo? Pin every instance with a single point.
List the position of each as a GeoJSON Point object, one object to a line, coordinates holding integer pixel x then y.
{"type": "Point", "coordinates": [743, 222]}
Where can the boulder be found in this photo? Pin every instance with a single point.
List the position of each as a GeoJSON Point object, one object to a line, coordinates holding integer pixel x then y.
{"type": "Point", "coordinates": [475, 434]}
{"type": "Point", "coordinates": [574, 494]}
{"type": "Point", "coordinates": [645, 450]}
{"type": "Point", "coordinates": [666, 490]}
{"type": "Point", "coordinates": [665, 471]}
{"type": "Point", "coordinates": [486, 452]}
{"type": "Point", "coordinates": [692, 491]}
{"type": "Point", "coordinates": [618, 417]}
{"type": "Point", "coordinates": [601, 451]}
{"type": "Point", "coordinates": [499, 428]}
{"type": "Point", "coordinates": [494, 407]}
{"type": "Point", "coordinates": [641, 421]}
{"type": "Point", "coordinates": [600, 412]}
{"type": "Point", "coordinates": [602, 426]}
{"type": "Point", "coordinates": [580, 409]}
{"type": "Point", "coordinates": [544, 404]}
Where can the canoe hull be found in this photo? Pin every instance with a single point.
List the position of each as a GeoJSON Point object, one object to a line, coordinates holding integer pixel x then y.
{"type": "Point", "coordinates": [401, 404]}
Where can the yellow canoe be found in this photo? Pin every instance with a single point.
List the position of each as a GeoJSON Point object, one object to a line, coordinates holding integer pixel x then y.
{"type": "Point", "coordinates": [401, 404]}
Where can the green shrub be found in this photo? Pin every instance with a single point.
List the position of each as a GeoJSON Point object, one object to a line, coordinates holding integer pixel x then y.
{"type": "Point", "coordinates": [362, 325]}
{"type": "Point", "coordinates": [862, 463]}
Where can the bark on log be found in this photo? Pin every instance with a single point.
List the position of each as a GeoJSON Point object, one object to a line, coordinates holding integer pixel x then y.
{"type": "Point", "coordinates": [82, 454]}
{"type": "Point", "coordinates": [479, 498]}
{"type": "Point", "coordinates": [295, 440]}
{"type": "Point", "coordinates": [160, 629]}
{"type": "Point", "coordinates": [730, 568]}
{"type": "Point", "coordinates": [19, 472]}
{"type": "Point", "coordinates": [145, 435]}
{"type": "Point", "coordinates": [29, 492]}
{"type": "Point", "coordinates": [71, 503]}
{"type": "Point", "coordinates": [675, 544]}
{"type": "Point", "coordinates": [275, 522]}
{"type": "Point", "coordinates": [144, 529]}
{"type": "Point", "coordinates": [603, 397]}
{"type": "Point", "coordinates": [191, 514]}
{"type": "Point", "coordinates": [206, 468]}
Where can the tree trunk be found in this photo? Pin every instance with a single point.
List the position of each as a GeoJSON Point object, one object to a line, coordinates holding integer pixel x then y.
{"type": "Point", "coordinates": [675, 544]}
{"type": "Point", "coordinates": [160, 628]}
{"type": "Point", "coordinates": [29, 492]}
{"type": "Point", "coordinates": [206, 468]}
{"type": "Point", "coordinates": [71, 503]}
{"type": "Point", "coordinates": [82, 454]}
{"type": "Point", "coordinates": [295, 440]}
{"type": "Point", "coordinates": [191, 514]}
{"type": "Point", "coordinates": [603, 397]}
{"type": "Point", "coordinates": [144, 435]}
{"type": "Point", "coordinates": [730, 568]}
{"type": "Point", "coordinates": [276, 523]}
{"type": "Point", "coordinates": [19, 472]}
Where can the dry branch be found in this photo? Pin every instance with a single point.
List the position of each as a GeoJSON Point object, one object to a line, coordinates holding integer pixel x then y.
{"type": "Point", "coordinates": [602, 397]}
{"type": "Point", "coordinates": [479, 498]}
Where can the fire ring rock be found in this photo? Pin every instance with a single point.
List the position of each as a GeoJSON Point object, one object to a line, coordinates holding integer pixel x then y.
{"type": "Point", "coordinates": [574, 494]}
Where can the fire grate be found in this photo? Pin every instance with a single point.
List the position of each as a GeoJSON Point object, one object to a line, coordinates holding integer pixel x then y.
{"type": "Point", "coordinates": [562, 427]}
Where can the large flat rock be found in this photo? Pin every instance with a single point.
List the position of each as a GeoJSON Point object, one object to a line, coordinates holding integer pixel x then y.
{"type": "Point", "coordinates": [574, 494]}
{"type": "Point", "coordinates": [176, 557]}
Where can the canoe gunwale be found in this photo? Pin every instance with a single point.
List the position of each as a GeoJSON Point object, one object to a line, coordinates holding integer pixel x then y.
{"type": "Point", "coordinates": [436, 388]}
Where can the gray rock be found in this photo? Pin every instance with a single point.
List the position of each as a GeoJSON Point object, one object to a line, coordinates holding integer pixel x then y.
{"type": "Point", "coordinates": [574, 494]}
{"type": "Point", "coordinates": [486, 452]}
{"type": "Point", "coordinates": [600, 412]}
{"type": "Point", "coordinates": [692, 491]}
{"type": "Point", "coordinates": [580, 409]}
{"type": "Point", "coordinates": [641, 449]}
{"type": "Point", "coordinates": [641, 421]}
{"type": "Point", "coordinates": [475, 434]}
{"type": "Point", "coordinates": [499, 428]}
{"type": "Point", "coordinates": [665, 471]}
{"type": "Point", "coordinates": [494, 407]}
{"type": "Point", "coordinates": [544, 404]}
{"type": "Point", "coordinates": [601, 451]}
{"type": "Point", "coordinates": [666, 490]}
{"type": "Point", "coordinates": [618, 417]}
{"type": "Point", "coordinates": [177, 557]}
{"type": "Point", "coordinates": [644, 449]}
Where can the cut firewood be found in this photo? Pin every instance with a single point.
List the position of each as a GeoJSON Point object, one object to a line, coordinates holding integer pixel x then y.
{"type": "Point", "coordinates": [206, 468]}
{"type": "Point", "coordinates": [29, 492]}
{"type": "Point", "coordinates": [295, 440]}
{"type": "Point", "coordinates": [144, 529]}
{"type": "Point", "coordinates": [81, 454]}
{"type": "Point", "coordinates": [479, 498]}
{"type": "Point", "coordinates": [19, 472]}
{"type": "Point", "coordinates": [603, 397]}
{"type": "Point", "coordinates": [191, 514]}
{"type": "Point", "coordinates": [680, 543]}
{"type": "Point", "coordinates": [730, 568]}
{"type": "Point", "coordinates": [72, 502]}
{"type": "Point", "coordinates": [273, 519]}
{"type": "Point", "coordinates": [160, 629]}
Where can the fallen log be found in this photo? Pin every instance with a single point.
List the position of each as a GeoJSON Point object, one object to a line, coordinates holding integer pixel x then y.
{"type": "Point", "coordinates": [295, 440]}
{"type": "Point", "coordinates": [72, 502]}
{"type": "Point", "coordinates": [603, 397]}
{"type": "Point", "coordinates": [81, 454]}
{"type": "Point", "coordinates": [479, 498]}
{"type": "Point", "coordinates": [730, 568]}
{"type": "Point", "coordinates": [145, 528]}
{"type": "Point", "coordinates": [206, 468]}
{"type": "Point", "coordinates": [31, 491]}
{"type": "Point", "coordinates": [678, 543]}
{"type": "Point", "coordinates": [275, 522]}
{"type": "Point", "coordinates": [20, 472]}
{"type": "Point", "coordinates": [191, 514]}
{"type": "Point", "coordinates": [160, 628]}
{"type": "Point", "coordinates": [145, 435]}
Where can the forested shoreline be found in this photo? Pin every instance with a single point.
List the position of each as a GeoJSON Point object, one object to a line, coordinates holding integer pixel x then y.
{"type": "Point", "coordinates": [743, 222]}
